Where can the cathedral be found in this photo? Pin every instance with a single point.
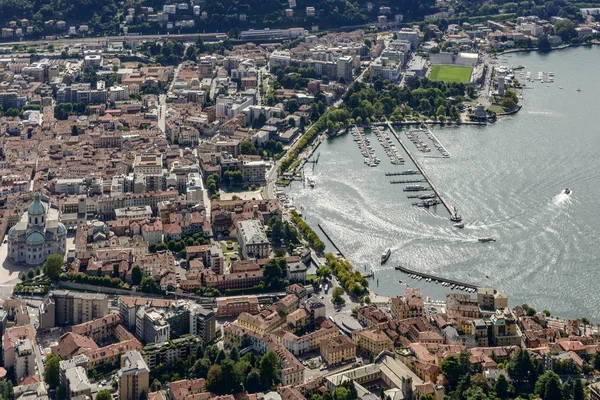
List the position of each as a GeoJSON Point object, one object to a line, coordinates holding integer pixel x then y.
{"type": "Point", "coordinates": [37, 235]}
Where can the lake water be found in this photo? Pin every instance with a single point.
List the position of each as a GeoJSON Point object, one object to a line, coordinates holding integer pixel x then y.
{"type": "Point", "coordinates": [506, 180]}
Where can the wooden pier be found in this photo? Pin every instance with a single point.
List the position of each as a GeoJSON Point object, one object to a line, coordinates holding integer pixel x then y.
{"type": "Point", "coordinates": [444, 202]}
{"type": "Point", "coordinates": [433, 277]}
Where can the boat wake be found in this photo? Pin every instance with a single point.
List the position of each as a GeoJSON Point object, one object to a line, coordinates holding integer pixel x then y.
{"type": "Point", "coordinates": [562, 199]}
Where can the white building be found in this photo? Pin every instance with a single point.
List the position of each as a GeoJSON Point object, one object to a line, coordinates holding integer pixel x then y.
{"type": "Point", "coordinates": [119, 93]}
{"type": "Point", "coordinates": [253, 239]}
{"type": "Point", "coordinates": [37, 235]}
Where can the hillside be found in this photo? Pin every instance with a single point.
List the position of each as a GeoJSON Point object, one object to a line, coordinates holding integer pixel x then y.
{"type": "Point", "coordinates": [104, 16]}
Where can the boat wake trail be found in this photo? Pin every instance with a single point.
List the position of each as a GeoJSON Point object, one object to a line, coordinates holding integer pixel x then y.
{"type": "Point", "coordinates": [562, 199]}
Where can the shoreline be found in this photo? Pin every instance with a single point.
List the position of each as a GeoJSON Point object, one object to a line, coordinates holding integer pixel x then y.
{"type": "Point", "coordinates": [561, 47]}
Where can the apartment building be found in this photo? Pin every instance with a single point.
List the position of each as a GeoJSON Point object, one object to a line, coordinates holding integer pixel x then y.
{"type": "Point", "coordinates": [372, 341]}
{"type": "Point", "coordinates": [134, 376]}
{"type": "Point", "coordinates": [77, 308]}
{"type": "Point", "coordinates": [409, 306]}
{"type": "Point", "coordinates": [18, 350]}
{"type": "Point", "coordinates": [337, 350]}
{"type": "Point", "coordinates": [232, 307]}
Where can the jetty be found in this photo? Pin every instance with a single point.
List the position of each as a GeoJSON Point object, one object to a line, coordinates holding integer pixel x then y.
{"type": "Point", "coordinates": [330, 240]}
{"type": "Point", "coordinates": [408, 181]}
{"type": "Point", "coordinates": [410, 155]}
{"type": "Point", "coordinates": [408, 172]}
{"type": "Point", "coordinates": [433, 277]}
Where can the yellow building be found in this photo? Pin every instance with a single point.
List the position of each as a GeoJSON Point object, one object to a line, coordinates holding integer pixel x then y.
{"type": "Point", "coordinates": [504, 329]}
{"type": "Point", "coordinates": [263, 322]}
{"type": "Point", "coordinates": [134, 376]}
{"type": "Point", "coordinates": [372, 341]}
{"type": "Point", "coordinates": [338, 349]}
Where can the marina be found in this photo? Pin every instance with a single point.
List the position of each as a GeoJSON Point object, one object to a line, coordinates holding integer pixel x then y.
{"type": "Point", "coordinates": [507, 185]}
{"type": "Point", "coordinates": [450, 209]}
{"type": "Point", "coordinates": [386, 143]}
{"type": "Point", "coordinates": [364, 144]}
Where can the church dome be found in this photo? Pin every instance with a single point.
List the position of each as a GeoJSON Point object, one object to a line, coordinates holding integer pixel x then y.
{"type": "Point", "coordinates": [60, 229]}
{"type": "Point", "coordinates": [36, 208]}
{"type": "Point", "coordinates": [35, 238]}
{"type": "Point", "coordinates": [12, 232]}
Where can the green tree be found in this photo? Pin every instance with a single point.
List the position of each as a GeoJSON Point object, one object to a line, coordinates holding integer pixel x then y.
{"type": "Point", "coordinates": [578, 390]}
{"type": "Point", "coordinates": [53, 266]}
{"type": "Point", "coordinates": [234, 355]}
{"type": "Point", "coordinates": [220, 357]}
{"type": "Point", "coordinates": [451, 368]}
{"type": "Point", "coordinates": [549, 386]}
{"type": "Point", "coordinates": [155, 386]}
{"type": "Point", "coordinates": [136, 275]}
{"type": "Point", "coordinates": [269, 369]}
{"type": "Point", "coordinates": [51, 368]}
{"type": "Point", "coordinates": [104, 395]}
{"type": "Point", "coordinates": [214, 382]}
{"type": "Point", "coordinates": [231, 380]}
{"type": "Point", "coordinates": [324, 272]}
{"type": "Point", "coordinates": [149, 285]}
{"type": "Point", "coordinates": [248, 148]}
{"type": "Point", "coordinates": [253, 381]}
{"type": "Point", "coordinates": [31, 273]}
{"type": "Point", "coordinates": [501, 387]}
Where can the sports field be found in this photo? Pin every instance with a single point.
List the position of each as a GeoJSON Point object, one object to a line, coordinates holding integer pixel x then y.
{"type": "Point", "coordinates": [450, 73]}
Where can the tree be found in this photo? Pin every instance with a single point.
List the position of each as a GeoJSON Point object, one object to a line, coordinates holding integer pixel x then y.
{"type": "Point", "coordinates": [248, 148]}
{"type": "Point", "coordinates": [155, 386]}
{"type": "Point", "coordinates": [6, 389]}
{"type": "Point", "coordinates": [501, 387]}
{"type": "Point", "coordinates": [451, 368]}
{"type": "Point", "coordinates": [214, 382]}
{"type": "Point", "coordinates": [136, 275]}
{"type": "Point", "coordinates": [274, 272]}
{"type": "Point", "coordinates": [253, 381]}
{"type": "Point", "coordinates": [578, 390]}
{"type": "Point", "coordinates": [74, 130]}
{"type": "Point", "coordinates": [53, 266]}
{"type": "Point", "coordinates": [543, 43]}
{"type": "Point", "coordinates": [324, 272]}
{"type": "Point", "coordinates": [51, 367]}
{"type": "Point", "coordinates": [104, 395]}
{"type": "Point", "coordinates": [220, 357]}
{"type": "Point", "coordinates": [234, 355]}
{"type": "Point", "coordinates": [200, 368]}
{"type": "Point", "coordinates": [522, 369]}
{"type": "Point", "coordinates": [269, 369]}
{"type": "Point", "coordinates": [549, 386]}
{"type": "Point", "coordinates": [31, 273]}
{"type": "Point", "coordinates": [149, 285]}
{"type": "Point", "coordinates": [231, 380]}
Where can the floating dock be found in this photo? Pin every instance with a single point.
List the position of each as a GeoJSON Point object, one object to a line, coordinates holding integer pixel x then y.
{"type": "Point", "coordinates": [437, 192]}
{"type": "Point", "coordinates": [433, 277]}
